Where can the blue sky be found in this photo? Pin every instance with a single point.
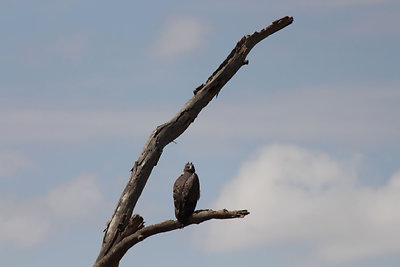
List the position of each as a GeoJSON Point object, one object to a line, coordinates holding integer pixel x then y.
{"type": "Point", "coordinates": [306, 137]}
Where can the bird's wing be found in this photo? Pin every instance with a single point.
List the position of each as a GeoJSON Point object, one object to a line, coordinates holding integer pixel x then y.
{"type": "Point", "coordinates": [179, 186]}
{"type": "Point", "coordinates": [192, 188]}
{"type": "Point", "coordinates": [196, 185]}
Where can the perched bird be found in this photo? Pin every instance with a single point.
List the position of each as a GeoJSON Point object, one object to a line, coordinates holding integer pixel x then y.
{"type": "Point", "coordinates": [186, 193]}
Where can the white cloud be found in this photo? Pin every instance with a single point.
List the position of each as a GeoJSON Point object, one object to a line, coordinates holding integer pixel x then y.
{"type": "Point", "coordinates": [181, 35]}
{"type": "Point", "coordinates": [306, 198]}
{"type": "Point", "coordinates": [41, 125]}
{"type": "Point", "coordinates": [354, 116]}
{"type": "Point", "coordinates": [351, 115]}
{"type": "Point", "coordinates": [12, 161]}
{"type": "Point", "coordinates": [27, 222]}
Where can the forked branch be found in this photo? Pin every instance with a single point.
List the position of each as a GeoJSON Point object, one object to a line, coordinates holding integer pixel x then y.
{"type": "Point", "coordinates": [119, 250]}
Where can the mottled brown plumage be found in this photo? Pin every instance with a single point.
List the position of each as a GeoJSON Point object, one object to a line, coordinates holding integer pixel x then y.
{"type": "Point", "coordinates": [186, 193]}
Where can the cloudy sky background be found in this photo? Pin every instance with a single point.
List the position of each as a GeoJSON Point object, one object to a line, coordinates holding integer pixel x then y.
{"type": "Point", "coordinates": [306, 137]}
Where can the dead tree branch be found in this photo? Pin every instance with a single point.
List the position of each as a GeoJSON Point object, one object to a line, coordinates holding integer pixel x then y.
{"type": "Point", "coordinates": [169, 131]}
{"type": "Point", "coordinates": [118, 251]}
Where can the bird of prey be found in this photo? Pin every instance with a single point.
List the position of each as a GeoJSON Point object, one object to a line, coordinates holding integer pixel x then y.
{"type": "Point", "coordinates": [186, 193]}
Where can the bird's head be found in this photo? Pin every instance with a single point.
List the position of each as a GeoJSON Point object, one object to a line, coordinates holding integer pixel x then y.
{"type": "Point", "coordinates": [189, 167]}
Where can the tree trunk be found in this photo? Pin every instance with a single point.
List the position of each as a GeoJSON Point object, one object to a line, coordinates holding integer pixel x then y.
{"type": "Point", "coordinates": [124, 229]}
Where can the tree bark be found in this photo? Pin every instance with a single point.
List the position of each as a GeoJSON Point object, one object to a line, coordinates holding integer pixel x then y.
{"type": "Point", "coordinates": [164, 134]}
{"type": "Point", "coordinates": [119, 250]}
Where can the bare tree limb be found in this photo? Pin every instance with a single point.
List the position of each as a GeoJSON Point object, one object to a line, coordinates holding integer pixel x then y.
{"type": "Point", "coordinates": [169, 131]}
{"type": "Point", "coordinates": [119, 250]}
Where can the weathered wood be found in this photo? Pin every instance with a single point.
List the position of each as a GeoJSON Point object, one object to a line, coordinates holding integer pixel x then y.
{"type": "Point", "coordinates": [119, 250]}
{"type": "Point", "coordinates": [169, 131]}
